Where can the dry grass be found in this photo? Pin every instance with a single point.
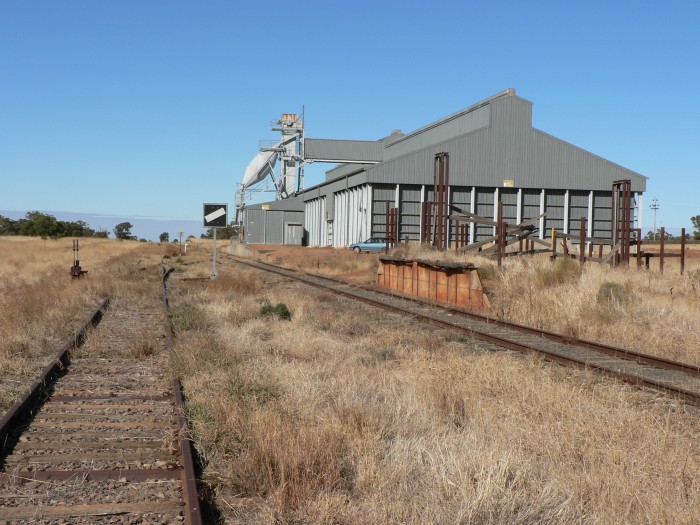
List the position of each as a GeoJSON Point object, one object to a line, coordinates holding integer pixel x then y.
{"type": "Point", "coordinates": [324, 261]}
{"type": "Point", "coordinates": [348, 415]}
{"type": "Point", "coordinates": [649, 311]}
{"type": "Point", "coordinates": [41, 305]}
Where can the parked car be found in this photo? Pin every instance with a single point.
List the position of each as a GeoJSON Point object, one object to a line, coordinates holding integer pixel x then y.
{"type": "Point", "coordinates": [373, 244]}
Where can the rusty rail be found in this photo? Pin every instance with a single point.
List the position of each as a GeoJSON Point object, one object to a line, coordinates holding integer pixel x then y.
{"type": "Point", "coordinates": [630, 355]}
{"type": "Point", "coordinates": [189, 479]}
{"type": "Point", "coordinates": [26, 403]}
{"type": "Point", "coordinates": [689, 396]}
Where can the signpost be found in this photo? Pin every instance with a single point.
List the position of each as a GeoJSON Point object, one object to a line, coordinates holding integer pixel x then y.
{"type": "Point", "coordinates": [215, 216]}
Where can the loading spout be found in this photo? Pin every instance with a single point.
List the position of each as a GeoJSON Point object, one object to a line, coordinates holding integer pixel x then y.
{"type": "Point", "coordinates": [260, 167]}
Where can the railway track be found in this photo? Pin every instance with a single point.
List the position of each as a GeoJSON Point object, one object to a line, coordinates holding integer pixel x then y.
{"type": "Point", "coordinates": [100, 436]}
{"type": "Point", "coordinates": [644, 370]}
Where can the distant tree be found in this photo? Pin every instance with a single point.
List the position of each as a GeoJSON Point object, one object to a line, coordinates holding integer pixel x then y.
{"type": "Point", "coordinates": [102, 234]}
{"type": "Point", "coordinates": [224, 233]}
{"type": "Point", "coordinates": [7, 226]}
{"type": "Point", "coordinates": [164, 237]}
{"type": "Point", "coordinates": [78, 229]}
{"type": "Point", "coordinates": [649, 236]}
{"type": "Point", "coordinates": [123, 230]}
{"type": "Point", "coordinates": [37, 224]}
{"type": "Point", "coordinates": [696, 224]}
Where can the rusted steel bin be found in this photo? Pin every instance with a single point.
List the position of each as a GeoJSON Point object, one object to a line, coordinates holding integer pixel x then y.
{"type": "Point", "coordinates": [440, 281]}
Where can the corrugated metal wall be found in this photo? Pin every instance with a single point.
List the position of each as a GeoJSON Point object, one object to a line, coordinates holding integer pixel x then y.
{"type": "Point", "coordinates": [409, 212]}
{"type": "Point", "coordinates": [554, 206]}
{"type": "Point", "coordinates": [461, 198]}
{"type": "Point", "coordinates": [360, 213]}
{"type": "Point", "coordinates": [602, 214]}
{"type": "Point", "coordinates": [381, 194]}
{"type": "Point", "coordinates": [267, 227]}
{"type": "Point", "coordinates": [578, 208]}
{"type": "Point", "coordinates": [509, 198]}
{"type": "Point", "coordinates": [315, 222]}
{"type": "Point", "coordinates": [484, 207]}
{"type": "Point", "coordinates": [531, 204]}
{"type": "Point", "coordinates": [352, 216]}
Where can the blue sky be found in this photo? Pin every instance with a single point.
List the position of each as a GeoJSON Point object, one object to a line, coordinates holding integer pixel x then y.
{"type": "Point", "coordinates": [136, 108]}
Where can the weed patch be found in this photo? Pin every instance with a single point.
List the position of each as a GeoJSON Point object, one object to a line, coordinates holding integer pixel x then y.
{"type": "Point", "coordinates": [611, 293]}
{"type": "Point", "coordinates": [256, 391]}
{"type": "Point", "coordinates": [279, 311]}
{"type": "Point", "coordinates": [561, 272]}
{"type": "Point", "coordinates": [486, 272]}
{"type": "Point", "coordinates": [187, 316]}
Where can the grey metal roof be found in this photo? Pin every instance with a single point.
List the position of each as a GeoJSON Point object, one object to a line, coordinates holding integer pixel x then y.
{"type": "Point", "coordinates": [291, 204]}
{"type": "Point", "coordinates": [345, 169]}
{"type": "Point", "coordinates": [509, 149]}
{"type": "Point", "coordinates": [326, 150]}
{"type": "Point", "coordinates": [477, 116]}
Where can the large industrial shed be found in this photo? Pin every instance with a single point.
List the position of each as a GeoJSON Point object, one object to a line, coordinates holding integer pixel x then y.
{"type": "Point", "coordinates": [495, 155]}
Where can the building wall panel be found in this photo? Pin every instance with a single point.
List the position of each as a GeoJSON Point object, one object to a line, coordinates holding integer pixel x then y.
{"type": "Point", "coordinates": [484, 208]}
{"type": "Point", "coordinates": [554, 206]}
{"type": "Point", "coordinates": [578, 208]}
{"type": "Point", "coordinates": [315, 222]}
{"type": "Point", "coordinates": [352, 217]}
{"type": "Point", "coordinates": [531, 203]}
{"type": "Point", "coordinates": [509, 198]}
{"type": "Point", "coordinates": [409, 212]}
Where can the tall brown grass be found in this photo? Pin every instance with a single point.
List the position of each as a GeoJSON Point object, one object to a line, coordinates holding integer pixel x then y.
{"type": "Point", "coordinates": [41, 306]}
{"type": "Point", "coordinates": [649, 311]}
{"type": "Point", "coordinates": [344, 414]}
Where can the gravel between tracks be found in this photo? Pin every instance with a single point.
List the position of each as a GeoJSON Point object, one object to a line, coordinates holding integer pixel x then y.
{"type": "Point", "coordinates": [112, 411]}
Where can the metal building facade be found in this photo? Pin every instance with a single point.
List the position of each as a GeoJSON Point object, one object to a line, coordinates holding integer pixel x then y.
{"type": "Point", "coordinates": [271, 223]}
{"type": "Point", "coordinates": [495, 156]}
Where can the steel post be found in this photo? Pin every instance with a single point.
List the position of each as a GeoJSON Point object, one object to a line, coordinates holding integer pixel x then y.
{"type": "Point", "coordinates": [499, 231]}
{"type": "Point", "coordinates": [639, 247]}
{"type": "Point", "coordinates": [682, 250]}
{"type": "Point", "coordinates": [661, 249]}
{"type": "Point", "coordinates": [214, 273]}
{"type": "Point", "coordinates": [582, 246]}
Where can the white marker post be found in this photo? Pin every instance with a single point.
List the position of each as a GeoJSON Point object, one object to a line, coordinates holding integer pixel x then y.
{"type": "Point", "coordinates": [214, 273]}
{"type": "Point", "coordinates": [215, 216]}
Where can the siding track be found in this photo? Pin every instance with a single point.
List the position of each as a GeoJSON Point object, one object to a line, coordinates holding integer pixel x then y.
{"type": "Point", "coordinates": [645, 370]}
{"type": "Point", "coordinates": [100, 438]}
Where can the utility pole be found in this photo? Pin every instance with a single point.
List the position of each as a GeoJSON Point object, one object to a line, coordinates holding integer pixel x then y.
{"type": "Point", "coordinates": [181, 233]}
{"type": "Point", "coordinates": [654, 206]}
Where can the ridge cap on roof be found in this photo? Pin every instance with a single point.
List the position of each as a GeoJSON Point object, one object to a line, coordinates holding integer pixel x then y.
{"type": "Point", "coordinates": [510, 92]}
